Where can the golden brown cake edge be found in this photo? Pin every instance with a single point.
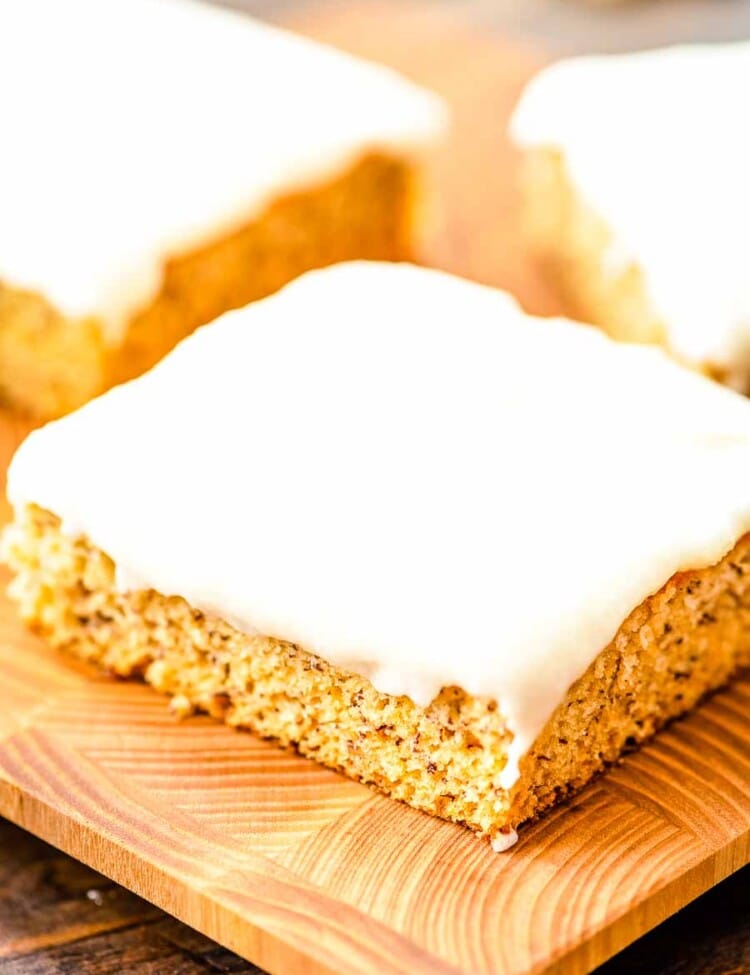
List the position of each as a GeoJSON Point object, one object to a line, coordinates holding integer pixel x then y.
{"type": "Point", "coordinates": [677, 646]}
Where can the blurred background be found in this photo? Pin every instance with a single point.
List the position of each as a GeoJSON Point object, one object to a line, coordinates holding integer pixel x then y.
{"type": "Point", "coordinates": [479, 54]}
{"type": "Point", "coordinates": [566, 26]}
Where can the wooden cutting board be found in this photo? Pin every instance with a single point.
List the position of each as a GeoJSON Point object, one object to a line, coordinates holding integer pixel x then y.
{"type": "Point", "coordinates": [299, 869]}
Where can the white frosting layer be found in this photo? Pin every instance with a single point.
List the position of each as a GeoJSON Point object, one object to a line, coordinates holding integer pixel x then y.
{"type": "Point", "coordinates": [402, 472]}
{"type": "Point", "coordinates": [134, 130]}
{"type": "Point", "coordinates": [658, 144]}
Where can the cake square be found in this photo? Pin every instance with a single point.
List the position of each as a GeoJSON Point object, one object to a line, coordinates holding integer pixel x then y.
{"type": "Point", "coordinates": [169, 160]}
{"type": "Point", "coordinates": [636, 196]}
{"type": "Point", "coordinates": [462, 554]}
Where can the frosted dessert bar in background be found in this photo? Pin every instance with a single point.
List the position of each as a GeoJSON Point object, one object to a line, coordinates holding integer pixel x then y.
{"type": "Point", "coordinates": [638, 198]}
{"type": "Point", "coordinates": [166, 160]}
{"type": "Point", "coordinates": [474, 591]}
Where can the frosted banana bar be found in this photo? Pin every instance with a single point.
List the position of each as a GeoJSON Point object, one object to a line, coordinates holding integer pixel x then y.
{"type": "Point", "coordinates": [637, 196]}
{"type": "Point", "coordinates": [168, 160]}
{"type": "Point", "coordinates": [463, 554]}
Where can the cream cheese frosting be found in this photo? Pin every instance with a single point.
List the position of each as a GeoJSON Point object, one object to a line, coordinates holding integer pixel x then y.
{"type": "Point", "coordinates": [402, 472]}
{"type": "Point", "coordinates": [135, 130]}
{"type": "Point", "coordinates": [657, 143]}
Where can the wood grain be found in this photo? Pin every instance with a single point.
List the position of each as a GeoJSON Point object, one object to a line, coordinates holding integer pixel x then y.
{"type": "Point", "coordinates": [59, 916]}
{"type": "Point", "coordinates": [298, 869]}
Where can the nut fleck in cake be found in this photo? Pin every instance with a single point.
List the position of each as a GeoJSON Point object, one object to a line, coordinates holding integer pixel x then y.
{"type": "Point", "coordinates": [463, 554]}
{"type": "Point", "coordinates": [637, 200]}
{"type": "Point", "coordinates": [167, 160]}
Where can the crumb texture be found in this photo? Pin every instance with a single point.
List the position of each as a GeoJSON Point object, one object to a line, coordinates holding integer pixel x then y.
{"type": "Point", "coordinates": [446, 759]}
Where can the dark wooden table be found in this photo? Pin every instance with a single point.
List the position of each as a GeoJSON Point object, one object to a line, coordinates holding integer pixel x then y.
{"type": "Point", "coordinates": [58, 917]}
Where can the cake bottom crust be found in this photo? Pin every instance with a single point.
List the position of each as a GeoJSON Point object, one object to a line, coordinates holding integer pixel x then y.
{"type": "Point", "coordinates": [50, 364]}
{"type": "Point", "coordinates": [446, 759]}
